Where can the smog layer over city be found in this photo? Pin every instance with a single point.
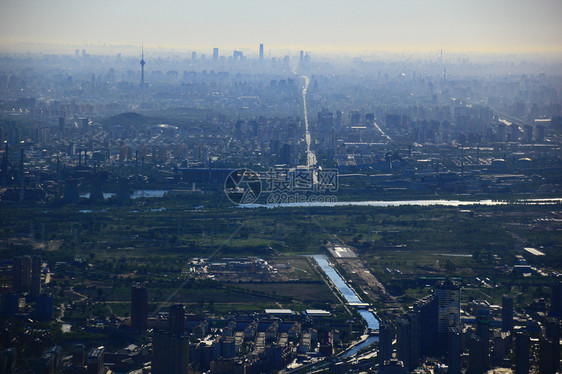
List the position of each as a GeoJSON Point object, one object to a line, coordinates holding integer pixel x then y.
{"type": "Point", "coordinates": [280, 186]}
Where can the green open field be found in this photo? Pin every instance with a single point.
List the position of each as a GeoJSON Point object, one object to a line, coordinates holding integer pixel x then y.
{"type": "Point", "coordinates": [151, 240]}
{"type": "Point", "coordinates": [316, 292]}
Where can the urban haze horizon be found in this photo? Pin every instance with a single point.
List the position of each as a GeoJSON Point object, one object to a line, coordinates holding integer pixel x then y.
{"type": "Point", "coordinates": [102, 49]}
{"type": "Point", "coordinates": [352, 28]}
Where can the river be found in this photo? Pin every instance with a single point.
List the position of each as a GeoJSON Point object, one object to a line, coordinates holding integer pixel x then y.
{"type": "Point", "coordinates": [137, 194]}
{"type": "Point", "coordinates": [351, 297]}
{"type": "Point", "coordinates": [391, 203]}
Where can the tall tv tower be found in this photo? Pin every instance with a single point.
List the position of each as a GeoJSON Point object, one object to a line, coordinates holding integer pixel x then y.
{"type": "Point", "coordinates": [142, 67]}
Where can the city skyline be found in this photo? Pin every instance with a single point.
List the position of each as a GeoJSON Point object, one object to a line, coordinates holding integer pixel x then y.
{"type": "Point", "coordinates": [327, 27]}
{"type": "Point", "coordinates": [254, 187]}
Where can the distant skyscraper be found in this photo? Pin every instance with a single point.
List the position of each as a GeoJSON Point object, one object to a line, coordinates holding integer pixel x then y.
{"type": "Point", "coordinates": [50, 361]}
{"type": "Point", "coordinates": [139, 307]}
{"type": "Point", "coordinates": [21, 274]}
{"type": "Point", "coordinates": [176, 318]}
{"type": "Point", "coordinates": [507, 313]}
{"type": "Point", "coordinates": [522, 355]}
{"type": "Point", "coordinates": [427, 309]}
{"type": "Point", "coordinates": [501, 343]}
{"type": "Point", "coordinates": [556, 300]}
{"type": "Point", "coordinates": [549, 356]}
{"type": "Point", "coordinates": [552, 328]}
{"type": "Point", "coordinates": [35, 276]}
{"type": "Point", "coordinates": [78, 355]}
{"type": "Point", "coordinates": [483, 332]}
{"type": "Point", "coordinates": [407, 343]}
{"type": "Point", "coordinates": [215, 54]}
{"type": "Point", "coordinates": [476, 355]}
{"type": "Point", "coordinates": [95, 361]}
{"type": "Point", "coordinates": [552, 343]}
{"type": "Point", "coordinates": [228, 346]}
{"type": "Point", "coordinates": [170, 353]}
{"type": "Point", "coordinates": [386, 336]}
{"type": "Point", "coordinates": [237, 55]}
{"type": "Point", "coordinates": [449, 305]}
{"type": "Point", "coordinates": [274, 355]}
{"type": "Point", "coordinates": [454, 351]}
{"type": "Point", "coordinates": [261, 52]}
{"type": "Point", "coordinates": [403, 341]}
{"type": "Point", "coordinates": [60, 128]}
{"type": "Point", "coordinates": [408, 340]}
{"type": "Point", "coordinates": [414, 358]}
{"type": "Point", "coordinates": [142, 67]}
{"type": "Point", "coordinates": [17, 269]}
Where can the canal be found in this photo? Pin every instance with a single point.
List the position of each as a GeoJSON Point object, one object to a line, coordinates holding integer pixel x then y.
{"type": "Point", "coordinates": [351, 297]}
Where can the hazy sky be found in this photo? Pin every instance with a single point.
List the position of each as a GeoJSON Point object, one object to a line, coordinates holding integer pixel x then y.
{"type": "Point", "coordinates": [315, 25]}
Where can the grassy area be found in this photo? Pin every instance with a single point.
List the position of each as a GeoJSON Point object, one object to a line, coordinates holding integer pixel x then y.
{"type": "Point", "coordinates": [152, 239]}
{"type": "Point", "coordinates": [303, 292]}
{"type": "Point", "coordinates": [177, 230]}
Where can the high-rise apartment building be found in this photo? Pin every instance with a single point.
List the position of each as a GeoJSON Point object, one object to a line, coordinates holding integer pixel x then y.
{"type": "Point", "coordinates": [454, 351]}
{"type": "Point", "coordinates": [139, 307]}
{"type": "Point", "coordinates": [427, 309]}
{"type": "Point", "coordinates": [386, 336]}
{"type": "Point", "coordinates": [21, 274]}
{"type": "Point", "coordinates": [176, 318]}
{"type": "Point", "coordinates": [36, 276]}
{"type": "Point", "coordinates": [522, 352]}
{"type": "Point", "coordinates": [170, 353]}
{"type": "Point", "coordinates": [449, 305]}
{"type": "Point", "coordinates": [507, 313]}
